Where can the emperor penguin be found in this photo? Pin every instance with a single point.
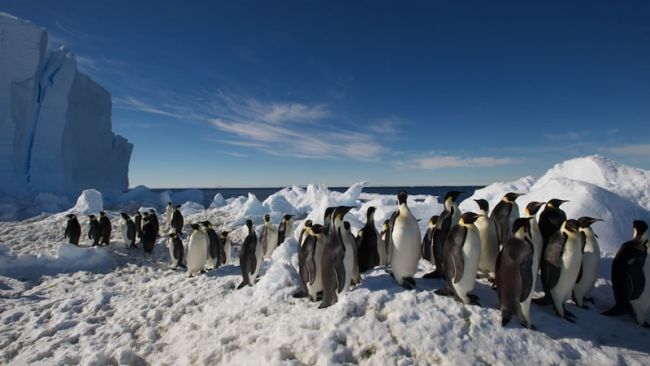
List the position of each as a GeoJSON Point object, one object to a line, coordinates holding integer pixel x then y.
{"type": "Point", "coordinates": [535, 234]}
{"type": "Point", "coordinates": [128, 230]}
{"type": "Point", "coordinates": [327, 216]}
{"type": "Point", "coordinates": [368, 253]}
{"type": "Point", "coordinates": [214, 246]}
{"type": "Point", "coordinates": [268, 237]}
{"type": "Point", "coordinates": [303, 254]}
{"type": "Point", "coordinates": [169, 211]}
{"type": "Point", "coordinates": [516, 274]}
{"type": "Point", "coordinates": [405, 236]}
{"type": "Point", "coordinates": [177, 220]}
{"type": "Point", "coordinates": [72, 230]}
{"type": "Point", "coordinates": [487, 232]}
{"type": "Point", "coordinates": [226, 248]}
{"type": "Point", "coordinates": [303, 232]}
{"type": "Point", "coordinates": [285, 228]}
{"type": "Point", "coordinates": [427, 248]}
{"type": "Point", "coordinates": [351, 255]}
{"type": "Point", "coordinates": [384, 246]}
{"type": "Point", "coordinates": [250, 257]}
{"type": "Point", "coordinates": [94, 232]}
{"type": "Point", "coordinates": [590, 262]}
{"type": "Point", "coordinates": [176, 251]}
{"type": "Point", "coordinates": [105, 228]}
{"type": "Point", "coordinates": [560, 267]}
{"type": "Point", "coordinates": [631, 276]}
{"type": "Point", "coordinates": [137, 220]}
{"type": "Point", "coordinates": [449, 217]}
{"type": "Point", "coordinates": [551, 219]}
{"type": "Point", "coordinates": [197, 250]}
{"type": "Point", "coordinates": [310, 264]}
{"type": "Point", "coordinates": [153, 217]}
{"type": "Point", "coordinates": [504, 215]}
{"type": "Point", "coordinates": [462, 251]}
{"type": "Point", "coordinates": [148, 235]}
{"type": "Point", "coordinates": [333, 260]}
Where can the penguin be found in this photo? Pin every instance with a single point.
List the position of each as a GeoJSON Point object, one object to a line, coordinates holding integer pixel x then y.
{"type": "Point", "coordinates": [560, 267]}
{"type": "Point", "coordinates": [303, 254]}
{"type": "Point", "coordinates": [104, 228]}
{"type": "Point", "coordinates": [535, 234]}
{"type": "Point", "coordinates": [384, 246]}
{"type": "Point", "coordinates": [128, 230]}
{"type": "Point", "coordinates": [250, 257]}
{"type": "Point", "coordinates": [327, 216]}
{"type": "Point", "coordinates": [169, 211]}
{"type": "Point", "coordinates": [94, 232]}
{"type": "Point", "coordinates": [449, 217]}
{"type": "Point", "coordinates": [405, 238]}
{"type": "Point", "coordinates": [350, 261]}
{"type": "Point", "coordinates": [487, 232]}
{"type": "Point", "coordinates": [306, 227]}
{"type": "Point", "coordinates": [226, 248]}
{"type": "Point", "coordinates": [197, 250]}
{"type": "Point", "coordinates": [72, 230]}
{"type": "Point", "coordinates": [332, 262]}
{"type": "Point", "coordinates": [214, 246]}
{"type": "Point", "coordinates": [461, 254]}
{"type": "Point", "coordinates": [309, 263]}
{"type": "Point", "coordinates": [177, 220]}
{"type": "Point", "coordinates": [551, 219]}
{"type": "Point", "coordinates": [590, 262]}
{"type": "Point", "coordinates": [427, 249]}
{"type": "Point", "coordinates": [368, 254]}
{"type": "Point", "coordinates": [268, 237]}
{"type": "Point", "coordinates": [137, 220]}
{"type": "Point", "coordinates": [153, 217]}
{"type": "Point", "coordinates": [176, 251]}
{"type": "Point", "coordinates": [516, 273]}
{"type": "Point", "coordinates": [504, 214]}
{"type": "Point", "coordinates": [148, 235]}
{"type": "Point", "coordinates": [631, 276]}
{"type": "Point", "coordinates": [285, 228]}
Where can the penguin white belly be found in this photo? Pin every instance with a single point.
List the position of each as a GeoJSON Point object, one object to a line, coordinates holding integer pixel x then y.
{"type": "Point", "coordinates": [471, 256]}
{"type": "Point", "coordinates": [489, 244]}
{"type": "Point", "coordinates": [174, 260]}
{"type": "Point", "coordinates": [210, 263]}
{"type": "Point", "coordinates": [259, 256]}
{"type": "Point", "coordinates": [641, 305]}
{"type": "Point", "coordinates": [389, 249]}
{"type": "Point", "coordinates": [123, 229]}
{"type": "Point", "coordinates": [348, 263]}
{"type": "Point", "coordinates": [590, 263]}
{"type": "Point", "coordinates": [571, 259]}
{"type": "Point", "coordinates": [381, 250]}
{"type": "Point", "coordinates": [197, 251]}
{"type": "Point", "coordinates": [228, 249]}
{"type": "Point", "coordinates": [271, 241]}
{"type": "Point", "coordinates": [317, 286]}
{"type": "Point", "coordinates": [406, 246]}
{"type": "Point", "coordinates": [168, 217]}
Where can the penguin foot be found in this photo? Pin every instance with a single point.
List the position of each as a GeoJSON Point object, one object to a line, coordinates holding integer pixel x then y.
{"type": "Point", "coordinates": [528, 325]}
{"type": "Point", "coordinates": [590, 299]}
{"type": "Point", "coordinates": [444, 292]}
{"type": "Point", "coordinates": [545, 300]}
{"type": "Point", "coordinates": [434, 274]}
{"type": "Point", "coordinates": [473, 300]}
{"type": "Point", "coordinates": [616, 310]}
{"type": "Point", "coordinates": [241, 285]}
{"type": "Point", "coordinates": [408, 283]}
{"type": "Point", "coordinates": [300, 295]}
{"type": "Point", "coordinates": [327, 304]}
{"type": "Point", "coordinates": [568, 318]}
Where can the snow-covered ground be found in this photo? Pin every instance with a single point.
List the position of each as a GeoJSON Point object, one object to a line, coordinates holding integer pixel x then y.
{"type": "Point", "coordinates": [60, 304]}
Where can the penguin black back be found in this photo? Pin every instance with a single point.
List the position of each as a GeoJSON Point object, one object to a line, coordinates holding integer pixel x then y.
{"type": "Point", "coordinates": [247, 256]}
{"type": "Point", "coordinates": [551, 219]}
{"type": "Point", "coordinates": [105, 228]}
{"type": "Point", "coordinates": [72, 230]}
{"type": "Point", "coordinates": [368, 256]}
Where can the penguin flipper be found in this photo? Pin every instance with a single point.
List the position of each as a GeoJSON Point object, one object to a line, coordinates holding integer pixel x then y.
{"type": "Point", "coordinates": [526, 273]}
{"type": "Point", "coordinates": [636, 277]}
{"type": "Point", "coordinates": [453, 255]}
{"type": "Point", "coordinates": [310, 245]}
{"type": "Point", "coordinates": [552, 264]}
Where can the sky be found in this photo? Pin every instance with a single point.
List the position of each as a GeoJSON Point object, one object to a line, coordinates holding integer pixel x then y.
{"type": "Point", "coordinates": [276, 93]}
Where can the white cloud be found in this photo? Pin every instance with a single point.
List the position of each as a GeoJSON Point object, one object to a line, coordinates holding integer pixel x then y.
{"type": "Point", "coordinates": [450, 161]}
{"type": "Point", "coordinates": [642, 150]}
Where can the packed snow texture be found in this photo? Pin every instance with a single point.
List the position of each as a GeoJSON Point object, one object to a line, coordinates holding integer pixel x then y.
{"type": "Point", "coordinates": [55, 122]}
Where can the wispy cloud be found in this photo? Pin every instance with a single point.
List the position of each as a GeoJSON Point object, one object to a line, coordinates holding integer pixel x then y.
{"type": "Point", "coordinates": [453, 161]}
{"type": "Point", "coordinates": [642, 150]}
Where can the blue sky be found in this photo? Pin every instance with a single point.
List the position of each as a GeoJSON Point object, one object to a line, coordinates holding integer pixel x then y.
{"type": "Point", "coordinates": [242, 93]}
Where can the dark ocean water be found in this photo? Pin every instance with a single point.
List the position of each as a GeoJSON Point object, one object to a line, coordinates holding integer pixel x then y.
{"type": "Point", "coordinates": [263, 193]}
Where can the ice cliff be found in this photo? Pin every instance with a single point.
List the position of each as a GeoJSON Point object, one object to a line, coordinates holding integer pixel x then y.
{"type": "Point", "coordinates": [55, 122]}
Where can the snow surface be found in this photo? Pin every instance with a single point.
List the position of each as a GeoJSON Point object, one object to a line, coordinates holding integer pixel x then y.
{"type": "Point", "coordinates": [94, 306]}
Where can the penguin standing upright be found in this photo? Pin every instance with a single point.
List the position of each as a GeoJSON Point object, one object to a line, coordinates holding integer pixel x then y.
{"type": "Point", "coordinates": [332, 263]}
{"type": "Point", "coordinates": [94, 232]}
{"type": "Point", "coordinates": [516, 273]}
{"type": "Point", "coordinates": [250, 257]}
{"type": "Point", "coordinates": [590, 262]}
{"type": "Point", "coordinates": [153, 217]}
{"type": "Point", "coordinates": [405, 236]}
{"type": "Point", "coordinates": [631, 276]}
{"type": "Point", "coordinates": [351, 254]}
{"type": "Point", "coordinates": [427, 248]}
{"type": "Point", "coordinates": [560, 267]}
{"type": "Point", "coordinates": [303, 254]}
{"type": "Point", "coordinates": [285, 228]}
{"type": "Point", "coordinates": [169, 211]}
{"type": "Point", "coordinates": [504, 215]}
{"type": "Point", "coordinates": [226, 248]}
{"type": "Point", "coordinates": [214, 246]}
{"type": "Point", "coordinates": [551, 219]}
{"type": "Point", "coordinates": [449, 217]}
{"type": "Point", "coordinates": [197, 250]}
{"type": "Point", "coordinates": [535, 234]}
{"type": "Point", "coordinates": [104, 228]}
{"type": "Point", "coordinates": [462, 251]}
{"type": "Point", "coordinates": [310, 262]}
{"type": "Point", "coordinates": [177, 220]}
{"type": "Point", "coordinates": [128, 230]}
{"type": "Point", "coordinates": [72, 230]}
{"type": "Point", "coordinates": [384, 246]}
{"type": "Point", "coordinates": [268, 237]}
{"type": "Point", "coordinates": [368, 252]}
{"type": "Point", "coordinates": [176, 250]}
{"type": "Point", "coordinates": [148, 235]}
{"type": "Point", "coordinates": [487, 232]}
{"type": "Point", "coordinates": [327, 216]}
{"type": "Point", "coordinates": [137, 220]}
{"type": "Point", "coordinates": [303, 232]}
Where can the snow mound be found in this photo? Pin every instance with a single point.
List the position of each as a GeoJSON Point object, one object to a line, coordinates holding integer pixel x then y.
{"type": "Point", "coordinates": [191, 208]}
{"type": "Point", "coordinates": [90, 201]}
{"type": "Point", "coordinates": [279, 206]}
{"type": "Point", "coordinates": [217, 201]}
{"type": "Point", "coordinates": [495, 191]}
{"type": "Point", "coordinates": [245, 208]}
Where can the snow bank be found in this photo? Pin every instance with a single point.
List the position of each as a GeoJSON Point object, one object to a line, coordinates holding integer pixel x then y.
{"type": "Point", "coordinates": [191, 208]}
{"type": "Point", "coordinates": [90, 201]}
{"type": "Point", "coordinates": [279, 206]}
{"type": "Point", "coordinates": [217, 201]}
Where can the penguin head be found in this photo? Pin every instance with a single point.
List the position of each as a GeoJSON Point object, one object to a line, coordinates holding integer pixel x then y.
{"type": "Point", "coordinates": [224, 234]}
{"type": "Point", "coordinates": [341, 211]}
{"type": "Point", "coordinates": [267, 218]}
{"type": "Point", "coordinates": [92, 217]}
{"type": "Point", "coordinates": [532, 207]}
{"type": "Point", "coordinates": [173, 235]}
{"type": "Point", "coordinates": [71, 216]}
{"type": "Point", "coordinates": [433, 221]}
{"type": "Point", "coordinates": [452, 195]}
{"type": "Point", "coordinates": [287, 217]}
{"type": "Point", "coordinates": [145, 214]}
{"type": "Point", "coordinates": [123, 215]}
{"type": "Point", "coordinates": [152, 211]}
{"type": "Point", "coordinates": [137, 213]}
{"type": "Point", "coordinates": [308, 223]}
{"type": "Point", "coordinates": [169, 203]}
{"type": "Point", "coordinates": [640, 230]}
{"type": "Point", "coordinates": [318, 229]}
{"type": "Point", "coordinates": [483, 205]}
{"type": "Point", "coordinates": [401, 197]}
{"type": "Point", "coordinates": [249, 225]}
{"type": "Point", "coordinates": [572, 225]}
{"type": "Point", "coordinates": [346, 225]}
{"type": "Point", "coordinates": [328, 213]}
{"type": "Point", "coordinates": [385, 225]}
{"type": "Point", "coordinates": [370, 213]}
{"type": "Point", "coordinates": [102, 213]}
{"type": "Point", "coordinates": [586, 221]}
{"type": "Point", "coordinates": [469, 218]}
{"type": "Point", "coordinates": [511, 196]}
{"type": "Point", "coordinates": [207, 224]}
{"type": "Point", "coordinates": [523, 224]}
{"type": "Point", "coordinates": [195, 226]}
{"type": "Point", "coordinates": [555, 203]}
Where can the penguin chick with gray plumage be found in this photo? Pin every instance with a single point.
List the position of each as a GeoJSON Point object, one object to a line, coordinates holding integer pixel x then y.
{"type": "Point", "coordinates": [72, 230]}
{"type": "Point", "coordinates": [590, 262]}
{"type": "Point", "coordinates": [504, 215]}
{"type": "Point", "coordinates": [250, 257]}
{"type": "Point", "coordinates": [427, 248]}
